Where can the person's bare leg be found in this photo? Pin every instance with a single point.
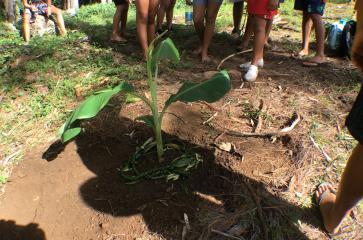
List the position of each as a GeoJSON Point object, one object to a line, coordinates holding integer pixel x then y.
{"type": "Point", "coordinates": [198, 19]}
{"type": "Point", "coordinates": [161, 14]}
{"type": "Point", "coordinates": [116, 34]}
{"type": "Point", "coordinates": [170, 14]}
{"type": "Point", "coordinates": [26, 27]}
{"type": "Point", "coordinates": [267, 33]}
{"type": "Point", "coordinates": [307, 25]}
{"type": "Point", "coordinates": [319, 34]}
{"type": "Point", "coordinates": [210, 22]}
{"type": "Point", "coordinates": [142, 10]}
{"type": "Point", "coordinates": [153, 9]}
{"type": "Point", "coordinates": [237, 16]}
{"type": "Point", "coordinates": [60, 21]}
{"type": "Point", "coordinates": [247, 35]}
{"type": "Point", "coordinates": [124, 12]}
{"type": "Point", "coordinates": [259, 30]}
{"type": "Point", "coordinates": [335, 208]}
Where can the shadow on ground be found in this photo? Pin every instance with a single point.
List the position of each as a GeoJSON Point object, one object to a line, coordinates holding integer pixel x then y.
{"type": "Point", "coordinates": [9, 230]}
{"type": "Point", "coordinates": [213, 197]}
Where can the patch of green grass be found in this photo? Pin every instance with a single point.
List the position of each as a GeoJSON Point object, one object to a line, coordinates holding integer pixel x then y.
{"type": "Point", "coordinates": [251, 112]}
{"type": "Point", "coordinates": [3, 179]}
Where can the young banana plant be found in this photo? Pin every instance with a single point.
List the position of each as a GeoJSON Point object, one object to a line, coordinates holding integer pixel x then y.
{"type": "Point", "coordinates": [210, 91]}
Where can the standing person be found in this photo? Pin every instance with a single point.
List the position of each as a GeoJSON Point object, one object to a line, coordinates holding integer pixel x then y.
{"type": "Point", "coordinates": [166, 8]}
{"type": "Point", "coordinates": [313, 11]}
{"type": "Point", "coordinates": [204, 17]}
{"type": "Point", "coordinates": [249, 32]}
{"type": "Point", "coordinates": [146, 11]}
{"type": "Point", "coordinates": [261, 13]}
{"type": "Point", "coordinates": [34, 7]}
{"type": "Point", "coordinates": [237, 17]}
{"type": "Point", "coordinates": [119, 21]}
{"type": "Point", "coordinates": [334, 207]}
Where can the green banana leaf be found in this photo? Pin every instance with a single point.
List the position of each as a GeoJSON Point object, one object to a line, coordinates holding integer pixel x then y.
{"type": "Point", "coordinates": [210, 91]}
{"type": "Point", "coordinates": [88, 109]}
{"type": "Point", "coordinates": [164, 50]}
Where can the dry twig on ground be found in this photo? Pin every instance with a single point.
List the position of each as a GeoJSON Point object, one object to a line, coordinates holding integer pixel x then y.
{"type": "Point", "coordinates": [327, 157]}
{"type": "Point", "coordinates": [295, 120]}
{"type": "Point", "coordinates": [231, 56]}
{"type": "Point", "coordinates": [260, 120]}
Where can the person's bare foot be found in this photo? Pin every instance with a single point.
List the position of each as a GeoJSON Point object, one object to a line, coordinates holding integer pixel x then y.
{"type": "Point", "coordinates": [314, 61]}
{"type": "Point", "coordinates": [303, 53]}
{"type": "Point", "coordinates": [325, 199]}
{"type": "Point", "coordinates": [119, 39]}
{"type": "Point", "coordinates": [206, 59]}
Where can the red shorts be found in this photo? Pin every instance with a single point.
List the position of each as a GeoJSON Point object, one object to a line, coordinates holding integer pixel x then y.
{"type": "Point", "coordinates": [260, 8]}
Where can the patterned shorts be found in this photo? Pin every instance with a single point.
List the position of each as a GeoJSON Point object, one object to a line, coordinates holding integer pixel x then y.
{"type": "Point", "coordinates": [310, 6]}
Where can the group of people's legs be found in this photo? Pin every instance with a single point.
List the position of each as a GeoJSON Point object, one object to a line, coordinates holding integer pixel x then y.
{"type": "Point", "coordinates": [166, 9]}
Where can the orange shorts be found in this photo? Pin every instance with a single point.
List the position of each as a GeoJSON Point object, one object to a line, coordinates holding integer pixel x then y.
{"type": "Point", "coordinates": [259, 8]}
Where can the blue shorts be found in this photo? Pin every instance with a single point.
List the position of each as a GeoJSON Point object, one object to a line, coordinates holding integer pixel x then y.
{"type": "Point", "coordinates": [310, 6]}
{"type": "Point", "coordinates": [205, 2]}
{"type": "Point", "coordinates": [354, 120]}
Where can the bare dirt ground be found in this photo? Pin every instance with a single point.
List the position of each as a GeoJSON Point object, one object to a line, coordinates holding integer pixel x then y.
{"type": "Point", "coordinates": [262, 189]}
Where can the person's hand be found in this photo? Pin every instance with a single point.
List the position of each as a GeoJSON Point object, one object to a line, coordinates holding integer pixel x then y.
{"type": "Point", "coordinates": [33, 8]}
{"type": "Point", "coordinates": [273, 4]}
{"type": "Point", "coordinates": [49, 11]}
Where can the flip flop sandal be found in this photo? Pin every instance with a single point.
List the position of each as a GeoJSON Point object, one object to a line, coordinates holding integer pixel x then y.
{"type": "Point", "coordinates": [322, 196]}
{"type": "Point", "coordinates": [320, 199]}
{"type": "Point", "coordinates": [311, 64]}
{"type": "Point", "coordinates": [119, 41]}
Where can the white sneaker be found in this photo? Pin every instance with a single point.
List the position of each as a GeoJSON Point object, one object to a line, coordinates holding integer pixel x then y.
{"type": "Point", "coordinates": [251, 74]}
{"type": "Point", "coordinates": [247, 65]}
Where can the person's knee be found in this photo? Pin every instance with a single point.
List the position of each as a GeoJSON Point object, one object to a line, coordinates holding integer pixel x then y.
{"type": "Point", "coordinates": [316, 18]}
{"type": "Point", "coordinates": [142, 18]}
{"type": "Point", "coordinates": [210, 20]}
{"type": "Point", "coordinates": [57, 11]}
{"type": "Point", "coordinates": [198, 19]}
{"type": "Point", "coordinates": [259, 28]}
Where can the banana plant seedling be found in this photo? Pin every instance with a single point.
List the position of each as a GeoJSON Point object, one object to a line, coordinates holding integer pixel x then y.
{"type": "Point", "coordinates": [209, 91]}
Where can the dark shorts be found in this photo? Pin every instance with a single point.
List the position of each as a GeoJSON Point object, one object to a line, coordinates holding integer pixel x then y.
{"type": "Point", "coordinates": [205, 2]}
{"type": "Point", "coordinates": [354, 120]}
{"type": "Point", "coordinates": [310, 6]}
{"type": "Point", "coordinates": [120, 2]}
